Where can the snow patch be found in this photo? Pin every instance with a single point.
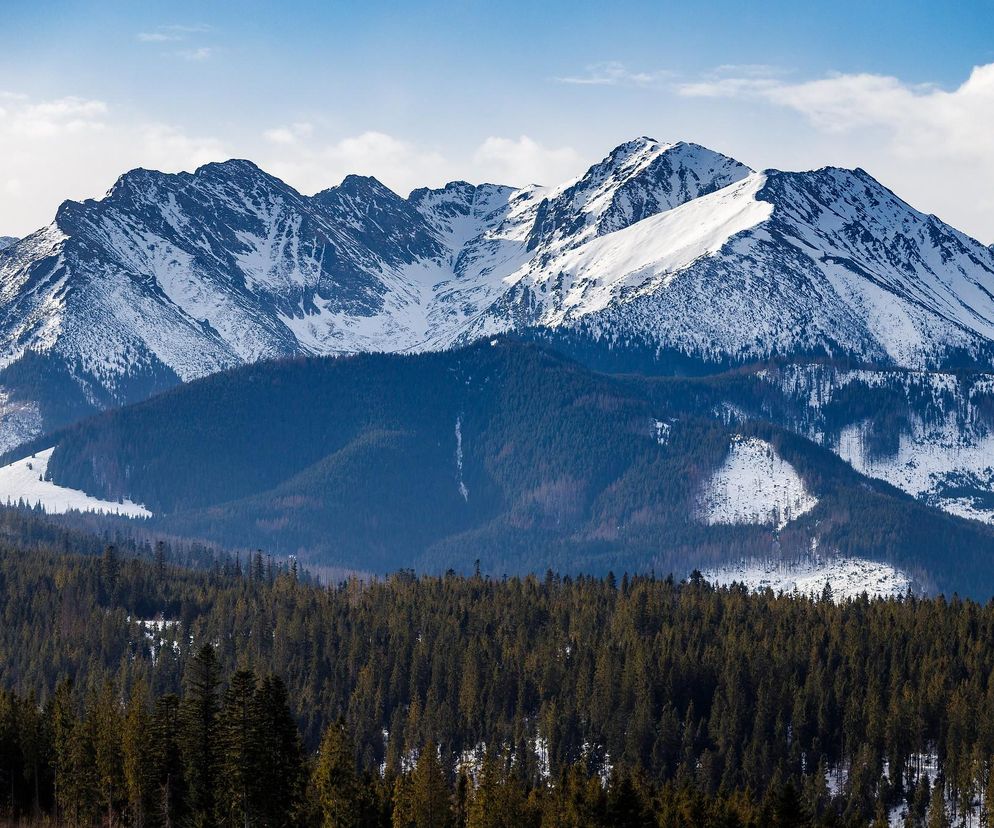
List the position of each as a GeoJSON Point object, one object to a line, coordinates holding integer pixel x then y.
{"type": "Point", "coordinates": [25, 481]}
{"type": "Point", "coordinates": [462, 485]}
{"type": "Point", "coordinates": [849, 577]}
{"type": "Point", "coordinates": [754, 485]}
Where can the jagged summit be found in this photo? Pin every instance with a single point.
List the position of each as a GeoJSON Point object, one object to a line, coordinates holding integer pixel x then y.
{"type": "Point", "coordinates": [636, 180]}
{"type": "Point", "coordinates": [663, 247]}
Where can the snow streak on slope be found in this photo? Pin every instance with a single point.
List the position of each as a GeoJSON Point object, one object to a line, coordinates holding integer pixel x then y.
{"type": "Point", "coordinates": [641, 259]}
{"type": "Point", "coordinates": [24, 480]}
{"type": "Point", "coordinates": [754, 485]}
{"type": "Point", "coordinates": [939, 439]}
{"type": "Point", "coordinates": [638, 179]}
{"type": "Point", "coordinates": [848, 577]}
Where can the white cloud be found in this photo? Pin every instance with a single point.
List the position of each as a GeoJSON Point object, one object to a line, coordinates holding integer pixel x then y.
{"type": "Point", "coordinates": [301, 158]}
{"type": "Point", "coordinates": [199, 54]}
{"type": "Point", "coordinates": [614, 73]}
{"type": "Point", "coordinates": [932, 145]}
{"type": "Point", "coordinates": [311, 165]}
{"type": "Point", "coordinates": [525, 161]}
{"type": "Point", "coordinates": [76, 148]}
{"type": "Point", "coordinates": [289, 134]}
{"type": "Point", "coordinates": [157, 37]}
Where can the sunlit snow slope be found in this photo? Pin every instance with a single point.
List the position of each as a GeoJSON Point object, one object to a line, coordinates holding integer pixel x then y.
{"type": "Point", "coordinates": [848, 577]}
{"type": "Point", "coordinates": [754, 485]}
{"type": "Point", "coordinates": [24, 481]}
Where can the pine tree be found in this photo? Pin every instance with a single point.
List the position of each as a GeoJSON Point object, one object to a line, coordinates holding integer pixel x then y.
{"type": "Point", "coordinates": [336, 781]}
{"type": "Point", "coordinates": [160, 561]}
{"type": "Point", "coordinates": [110, 571]}
{"type": "Point", "coordinates": [63, 724]}
{"type": "Point", "coordinates": [167, 765]}
{"type": "Point", "coordinates": [421, 799]}
{"type": "Point", "coordinates": [937, 817]}
{"type": "Point", "coordinates": [239, 748]}
{"type": "Point", "coordinates": [282, 775]}
{"type": "Point", "coordinates": [198, 735]}
{"type": "Point", "coordinates": [106, 715]}
{"type": "Point", "coordinates": [136, 748]}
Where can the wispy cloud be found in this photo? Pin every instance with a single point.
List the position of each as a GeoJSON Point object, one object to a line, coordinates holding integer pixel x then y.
{"type": "Point", "coordinates": [197, 55]}
{"type": "Point", "coordinates": [291, 134]}
{"type": "Point", "coordinates": [934, 143]}
{"type": "Point", "coordinates": [524, 160]}
{"type": "Point", "coordinates": [180, 28]}
{"type": "Point", "coordinates": [614, 73]}
{"type": "Point", "coordinates": [158, 37]}
{"type": "Point", "coordinates": [179, 33]}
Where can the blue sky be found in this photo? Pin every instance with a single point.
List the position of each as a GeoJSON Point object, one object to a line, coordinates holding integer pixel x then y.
{"type": "Point", "coordinates": [418, 93]}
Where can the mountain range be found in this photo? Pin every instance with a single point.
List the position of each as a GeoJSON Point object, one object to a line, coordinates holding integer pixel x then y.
{"type": "Point", "coordinates": [814, 304]}
{"type": "Point", "coordinates": [666, 254]}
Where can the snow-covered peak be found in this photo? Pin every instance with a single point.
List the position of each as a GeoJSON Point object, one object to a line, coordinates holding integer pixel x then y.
{"type": "Point", "coordinates": [7, 241]}
{"type": "Point", "coordinates": [637, 179]}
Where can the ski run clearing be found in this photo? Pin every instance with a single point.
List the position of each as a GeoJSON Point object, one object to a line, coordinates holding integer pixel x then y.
{"type": "Point", "coordinates": [25, 481]}
{"type": "Point", "coordinates": [754, 485]}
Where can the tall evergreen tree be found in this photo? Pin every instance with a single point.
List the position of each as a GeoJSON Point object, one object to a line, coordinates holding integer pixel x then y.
{"type": "Point", "coordinates": [421, 798]}
{"type": "Point", "coordinates": [198, 735]}
{"type": "Point", "coordinates": [336, 781]}
{"type": "Point", "coordinates": [240, 751]}
{"type": "Point", "coordinates": [137, 757]}
{"type": "Point", "coordinates": [282, 774]}
{"type": "Point", "coordinates": [169, 794]}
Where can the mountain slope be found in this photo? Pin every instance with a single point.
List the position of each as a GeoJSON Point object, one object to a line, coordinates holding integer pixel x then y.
{"type": "Point", "coordinates": [778, 264]}
{"type": "Point", "coordinates": [660, 256]}
{"type": "Point", "coordinates": [504, 452]}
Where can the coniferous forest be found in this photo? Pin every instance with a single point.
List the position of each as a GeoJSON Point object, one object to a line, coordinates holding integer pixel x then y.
{"type": "Point", "coordinates": [141, 692]}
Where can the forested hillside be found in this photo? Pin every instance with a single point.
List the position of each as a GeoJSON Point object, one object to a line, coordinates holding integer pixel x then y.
{"type": "Point", "coordinates": [503, 452]}
{"type": "Point", "coordinates": [715, 705]}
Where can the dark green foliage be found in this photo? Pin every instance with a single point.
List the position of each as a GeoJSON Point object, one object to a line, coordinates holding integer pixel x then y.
{"type": "Point", "coordinates": [710, 706]}
{"type": "Point", "coordinates": [355, 463]}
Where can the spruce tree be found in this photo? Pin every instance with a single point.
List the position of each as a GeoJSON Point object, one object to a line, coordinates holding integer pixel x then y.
{"type": "Point", "coordinates": [62, 719]}
{"type": "Point", "coordinates": [136, 749]}
{"type": "Point", "coordinates": [106, 717]}
{"type": "Point", "coordinates": [421, 799]}
{"type": "Point", "coordinates": [335, 780]}
{"type": "Point", "coordinates": [198, 735]}
{"type": "Point", "coordinates": [282, 775]}
{"type": "Point", "coordinates": [937, 817]}
{"type": "Point", "coordinates": [169, 797]}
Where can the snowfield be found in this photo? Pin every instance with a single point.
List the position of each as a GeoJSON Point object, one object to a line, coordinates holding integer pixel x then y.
{"type": "Point", "coordinates": [24, 480]}
{"type": "Point", "coordinates": [848, 577]}
{"type": "Point", "coordinates": [928, 460]}
{"type": "Point", "coordinates": [754, 485]}
{"type": "Point", "coordinates": [944, 454]}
